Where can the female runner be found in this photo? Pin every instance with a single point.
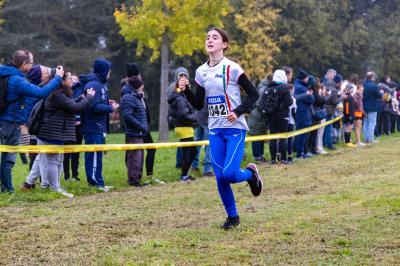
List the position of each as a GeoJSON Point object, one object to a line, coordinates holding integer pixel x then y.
{"type": "Point", "coordinates": [219, 80]}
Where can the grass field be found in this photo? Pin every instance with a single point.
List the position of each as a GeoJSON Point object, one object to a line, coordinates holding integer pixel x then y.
{"type": "Point", "coordinates": [342, 208]}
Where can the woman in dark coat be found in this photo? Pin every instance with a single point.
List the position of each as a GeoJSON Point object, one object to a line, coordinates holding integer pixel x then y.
{"type": "Point", "coordinates": [58, 128]}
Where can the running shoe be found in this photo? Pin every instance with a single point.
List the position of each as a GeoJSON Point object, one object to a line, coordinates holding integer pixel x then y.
{"type": "Point", "coordinates": [231, 223]}
{"type": "Point", "coordinates": [255, 183]}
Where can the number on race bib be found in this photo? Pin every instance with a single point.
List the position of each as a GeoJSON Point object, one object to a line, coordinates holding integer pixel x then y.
{"type": "Point", "coordinates": [217, 110]}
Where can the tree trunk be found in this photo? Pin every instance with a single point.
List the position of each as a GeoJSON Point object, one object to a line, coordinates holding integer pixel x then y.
{"type": "Point", "coordinates": [163, 123]}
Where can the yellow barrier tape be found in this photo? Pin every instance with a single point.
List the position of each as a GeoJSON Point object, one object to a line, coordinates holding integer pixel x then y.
{"type": "Point", "coordinates": [123, 147]}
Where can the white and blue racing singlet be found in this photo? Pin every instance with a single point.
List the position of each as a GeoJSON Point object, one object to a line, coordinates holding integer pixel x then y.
{"type": "Point", "coordinates": [222, 92]}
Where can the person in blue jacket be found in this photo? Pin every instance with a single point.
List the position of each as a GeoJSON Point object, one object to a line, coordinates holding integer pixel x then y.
{"type": "Point", "coordinates": [304, 100]}
{"type": "Point", "coordinates": [96, 121]}
{"type": "Point", "coordinates": [14, 114]}
{"type": "Point", "coordinates": [371, 96]}
{"type": "Point", "coordinates": [136, 128]}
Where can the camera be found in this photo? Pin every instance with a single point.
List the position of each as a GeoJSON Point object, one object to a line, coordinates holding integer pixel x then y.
{"type": "Point", "coordinates": [53, 71]}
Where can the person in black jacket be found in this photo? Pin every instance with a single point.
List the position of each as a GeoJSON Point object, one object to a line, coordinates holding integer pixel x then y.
{"type": "Point", "coordinates": [315, 145]}
{"type": "Point", "coordinates": [184, 119]}
{"type": "Point", "coordinates": [58, 128]}
{"type": "Point", "coordinates": [330, 107]}
{"type": "Point", "coordinates": [278, 121]}
{"type": "Point", "coordinates": [132, 70]}
{"type": "Point", "coordinates": [134, 119]}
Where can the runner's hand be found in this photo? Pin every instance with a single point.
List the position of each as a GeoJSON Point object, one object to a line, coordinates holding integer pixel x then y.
{"type": "Point", "coordinates": [232, 117]}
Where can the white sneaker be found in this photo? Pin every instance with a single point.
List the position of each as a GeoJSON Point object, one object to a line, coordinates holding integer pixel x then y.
{"type": "Point", "coordinates": [106, 188]}
{"type": "Point", "coordinates": [64, 193]}
{"type": "Point", "coordinates": [361, 144]}
{"type": "Point", "coordinates": [375, 141]}
{"type": "Point", "coordinates": [322, 152]}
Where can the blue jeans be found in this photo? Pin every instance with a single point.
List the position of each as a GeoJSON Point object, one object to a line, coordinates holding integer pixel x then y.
{"type": "Point", "coordinates": [94, 161]}
{"type": "Point", "coordinates": [226, 152]}
{"type": "Point", "coordinates": [327, 138]}
{"type": "Point", "coordinates": [9, 135]}
{"type": "Point", "coordinates": [303, 120]}
{"type": "Point", "coordinates": [369, 126]}
{"type": "Point", "coordinates": [201, 133]}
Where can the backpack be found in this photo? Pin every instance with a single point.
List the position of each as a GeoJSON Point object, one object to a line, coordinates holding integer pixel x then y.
{"type": "Point", "coordinates": [3, 93]}
{"type": "Point", "coordinates": [269, 102]}
{"type": "Point", "coordinates": [36, 117]}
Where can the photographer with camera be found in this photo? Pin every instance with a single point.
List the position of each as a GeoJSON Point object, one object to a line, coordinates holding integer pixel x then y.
{"type": "Point", "coordinates": [58, 128]}
{"type": "Point", "coordinates": [12, 111]}
{"type": "Point", "coordinates": [304, 100]}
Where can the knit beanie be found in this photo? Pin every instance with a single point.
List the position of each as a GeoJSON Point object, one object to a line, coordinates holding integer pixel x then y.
{"type": "Point", "coordinates": [35, 75]}
{"type": "Point", "coordinates": [132, 70]}
{"type": "Point", "coordinates": [302, 74]}
{"type": "Point", "coordinates": [338, 78]}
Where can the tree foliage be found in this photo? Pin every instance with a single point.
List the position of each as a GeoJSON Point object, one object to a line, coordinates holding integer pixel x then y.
{"type": "Point", "coordinates": [169, 25]}
{"type": "Point", "coordinates": [184, 21]}
{"type": "Point", "coordinates": [256, 21]}
{"type": "Point", "coordinates": [1, 6]}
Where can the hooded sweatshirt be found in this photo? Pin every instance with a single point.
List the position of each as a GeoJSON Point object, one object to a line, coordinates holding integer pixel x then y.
{"type": "Point", "coordinates": [96, 120]}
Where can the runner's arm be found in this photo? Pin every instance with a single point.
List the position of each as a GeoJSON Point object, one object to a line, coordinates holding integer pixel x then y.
{"type": "Point", "coordinates": [196, 99]}
{"type": "Point", "coordinates": [252, 95]}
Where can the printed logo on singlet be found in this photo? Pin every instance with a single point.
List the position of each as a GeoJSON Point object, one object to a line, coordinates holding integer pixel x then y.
{"type": "Point", "coordinates": [217, 106]}
{"type": "Point", "coordinates": [219, 76]}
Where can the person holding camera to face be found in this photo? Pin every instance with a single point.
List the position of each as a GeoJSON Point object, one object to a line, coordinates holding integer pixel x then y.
{"type": "Point", "coordinates": [12, 113]}
{"type": "Point", "coordinates": [184, 118]}
{"type": "Point", "coordinates": [96, 121]}
{"type": "Point", "coordinates": [58, 128]}
{"type": "Point", "coordinates": [304, 101]}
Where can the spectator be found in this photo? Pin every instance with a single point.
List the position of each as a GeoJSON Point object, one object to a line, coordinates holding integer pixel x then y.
{"type": "Point", "coordinates": [201, 133]}
{"type": "Point", "coordinates": [14, 114]}
{"type": "Point", "coordinates": [304, 100]}
{"type": "Point", "coordinates": [358, 114]}
{"type": "Point", "coordinates": [38, 75]}
{"type": "Point", "coordinates": [58, 128]}
{"type": "Point", "coordinates": [394, 112]}
{"type": "Point", "coordinates": [258, 124]}
{"type": "Point", "coordinates": [289, 73]}
{"type": "Point", "coordinates": [348, 114]}
{"type": "Point", "coordinates": [329, 76]}
{"type": "Point", "coordinates": [133, 70]}
{"type": "Point", "coordinates": [71, 160]}
{"type": "Point", "coordinates": [291, 124]}
{"type": "Point", "coordinates": [171, 88]}
{"type": "Point", "coordinates": [330, 107]}
{"type": "Point", "coordinates": [371, 96]}
{"type": "Point", "coordinates": [184, 120]}
{"type": "Point", "coordinates": [278, 121]}
{"type": "Point", "coordinates": [95, 121]}
{"type": "Point", "coordinates": [321, 98]}
{"type": "Point", "coordinates": [135, 127]}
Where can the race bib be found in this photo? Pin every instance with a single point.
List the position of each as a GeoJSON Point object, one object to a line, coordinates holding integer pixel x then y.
{"type": "Point", "coordinates": [217, 106]}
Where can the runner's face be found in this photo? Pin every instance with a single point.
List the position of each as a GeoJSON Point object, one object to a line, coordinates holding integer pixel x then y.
{"type": "Point", "coordinates": [214, 42]}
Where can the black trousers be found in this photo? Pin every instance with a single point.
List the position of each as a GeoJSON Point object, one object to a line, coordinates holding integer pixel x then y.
{"type": "Point", "coordinates": [150, 155]}
{"type": "Point", "coordinates": [71, 160]}
{"type": "Point", "coordinates": [188, 155]}
{"type": "Point", "coordinates": [278, 126]}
